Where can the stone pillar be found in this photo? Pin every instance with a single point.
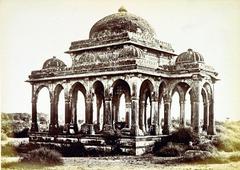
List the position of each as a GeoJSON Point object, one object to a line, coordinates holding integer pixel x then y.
{"type": "Point", "coordinates": [53, 124]}
{"type": "Point", "coordinates": [196, 123]}
{"type": "Point", "coordinates": [89, 114]}
{"type": "Point", "coordinates": [155, 125]}
{"type": "Point", "coordinates": [142, 116]}
{"type": "Point", "coordinates": [99, 103]}
{"type": "Point", "coordinates": [108, 113]}
{"type": "Point", "coordinates": [34, 125]}
{"type": "Point", "coordinates": [167, 116]}
{"type": "Point", "coordinates": [205, 115]}
{"type": "Point", "coordinates": [56, 114]}
{"type": "Point", "coordinates": [195, 96]}
{"type": "Point", "coordinates": [182, 113]}
{"type": "Point", "coordinates": [67, 114]}
{"type": "Point", "coordinates": [73, 123]}
{"type": "Point", "coordinates": [89, 110]}
{"type": "Point", "coordinates": [115, 110]}
{"type": "Point", "coordinates": [135, 131]}
{"type": "Point", "coordinates": [192, 114]}
{"type": "Point", "coordinates": [128, 114]}
{"type": "Point", "coordinates": [211, 126]}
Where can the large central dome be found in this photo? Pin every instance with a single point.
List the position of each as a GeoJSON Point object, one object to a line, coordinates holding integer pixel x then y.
{"type": "Point", "coordinates": [121, 22]}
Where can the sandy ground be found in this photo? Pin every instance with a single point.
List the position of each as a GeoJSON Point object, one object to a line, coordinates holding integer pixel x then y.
{"type": "Point", "coordinates": [123, 163]}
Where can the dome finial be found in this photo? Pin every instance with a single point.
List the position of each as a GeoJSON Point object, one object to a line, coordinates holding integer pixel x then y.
{"type": "Point", "coordinates": [122, 9]}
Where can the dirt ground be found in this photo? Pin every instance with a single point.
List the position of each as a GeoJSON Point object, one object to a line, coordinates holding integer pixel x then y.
{"type": "Point", "coordinates": [123, 163]}
{"type": "Point", "coordinates": [114, 163]}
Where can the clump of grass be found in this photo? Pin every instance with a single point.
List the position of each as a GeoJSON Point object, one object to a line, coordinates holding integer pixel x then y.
{"type": "Point", "coordinates": [171, 150]}
{"type": "Point", "coordinates": [195, 156]}
{"type": "Point", "coordinates": [4, 137]}
{"type": "Point", "coordinates": [43, 156]}
{"type": "Point", "coordinates": [234, 157]}
{"type": "Point", "coordinates": [228, 138]}
{"type": "Point", "coordinates": [8, 150]}
{"type": "Point", "coordinates": [20, 165]}
{"type": "Point", "coordinates": [207, 147]}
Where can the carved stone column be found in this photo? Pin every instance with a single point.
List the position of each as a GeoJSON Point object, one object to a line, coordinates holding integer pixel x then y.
{"type": "Point", "coordinates": [115, 109]}
{"type": "Point", "coordinates": [89, 110]}
{"type": "Point", "coordinates": [167, 115]}
{"type": "Point", "coordinates": [205, 115]}
{"type": "Point", "coordinates": [108, 113]}
{"type": "Point", "coordinates": [211, 126]}
{"type": "Point", "coordinates": [89, 114]}
{"type": "Point", "coordinates": [34, 125]}
{"type": "Point", "coordinates": [155, 125]}
{"type": "Point", "coordinates": [73, 123]}
{"type": "Point", "coordinates": [182, 113]}
{"type": "Point", "coordinates": [128, 114]}
{"type": "Point", "coordinates": [53, 127]}
{"type": "Point", "coordinates": [99, 103]}
{"type": "Point", "coordinates": [142, 116]}
{"type": "Point", "coordinates": [56, 114]}
{"type": "Point", "coordinates": [195, 99]}
{"type": "Point", "coordinates": [192, 114]}
{"type": "Point", "coordinates": [135, 130]}
{"type": "Point", "coordinates": [67, 114]}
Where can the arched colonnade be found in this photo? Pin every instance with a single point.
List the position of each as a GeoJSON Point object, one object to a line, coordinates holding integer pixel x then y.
{"type": "Point", "coordinates": [144, 98]}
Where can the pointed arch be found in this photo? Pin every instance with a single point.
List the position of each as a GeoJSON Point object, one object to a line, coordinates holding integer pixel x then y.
{"type": "Point", "coordinates": [43, 97]}
{"type": "Point", "coordinates": [121, 88]}
{"type": "Point", "coordinates": [145, 109]}
{"type": "Point", "coordinates": [59, 116]}
{"type": "Point", "coordinates": [99, 107]}
{"type": "Point", "coordinates": [78, 103]}
{"type": "Point", "coordinates": [210, 98]}
{"type": "Point", "coordinates": [180, 88]}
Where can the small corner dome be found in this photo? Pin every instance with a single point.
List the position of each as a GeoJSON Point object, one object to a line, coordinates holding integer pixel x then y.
{"type": "Point", "coordinates": [189, 56]}
{"type": "Point", "coordinates": [53, 63]}
{"type": "Point", "coordinates": [121, 22]}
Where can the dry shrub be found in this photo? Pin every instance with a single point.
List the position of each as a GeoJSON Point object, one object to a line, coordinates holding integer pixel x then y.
{"type": "Point", "coordinates": [170, 150]}
{"type": "Point", "coordinates": [43, 156]}
{"type": "Point", "coordinates": [195, 156]}
{"type": "Point", "coordinates": [207, 147]}
{"type": "Point", "coordinates": [184, 135]}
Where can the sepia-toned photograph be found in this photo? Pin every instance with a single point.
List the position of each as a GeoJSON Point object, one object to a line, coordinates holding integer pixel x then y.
{"type": "Point", "coordinates": [127, 84]}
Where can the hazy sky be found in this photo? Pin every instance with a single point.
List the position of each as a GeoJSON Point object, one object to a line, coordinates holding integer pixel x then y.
{"type": "Point", "coordinates": [33, 31]}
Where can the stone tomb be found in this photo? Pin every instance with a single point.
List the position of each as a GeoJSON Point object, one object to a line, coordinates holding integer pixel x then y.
{"type": "Point", "coordinates": [123, 61]}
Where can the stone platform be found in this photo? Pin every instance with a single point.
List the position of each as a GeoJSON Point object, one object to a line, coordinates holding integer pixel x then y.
{"type": "Point", "coordinates": [133, 145]}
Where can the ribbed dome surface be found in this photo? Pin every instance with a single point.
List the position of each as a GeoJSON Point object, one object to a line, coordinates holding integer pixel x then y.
{"type": "Point", "coordinates": [121, 22]}
{"type": "Point", "coordinates": [189, 56]}
{"type": "Point", "coordinates": [53, 63]}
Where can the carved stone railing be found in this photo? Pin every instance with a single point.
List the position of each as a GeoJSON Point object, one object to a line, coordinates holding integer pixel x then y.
{"type": "Point", "coordinates": [123, 37]}
{"type": "Point", "coordinates": [100, 67]}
